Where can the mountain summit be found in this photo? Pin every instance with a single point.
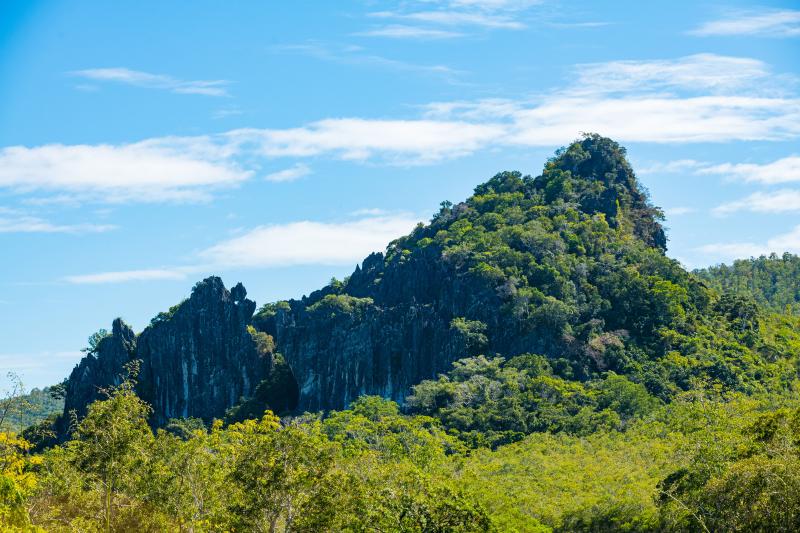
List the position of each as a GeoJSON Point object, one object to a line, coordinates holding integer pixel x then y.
{"type": "Point", "coordinates": [569, 265]}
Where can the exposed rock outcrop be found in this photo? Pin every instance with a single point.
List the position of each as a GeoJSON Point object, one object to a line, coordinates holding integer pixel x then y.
{"type": "Point", "coordinates": [100, 369]}
{"type": "Point", "coordinates": [201, 360]}
{"type": "Point", "coordinates": [197, 360]}
{"type": "Point", "coordinates": [561, 265]}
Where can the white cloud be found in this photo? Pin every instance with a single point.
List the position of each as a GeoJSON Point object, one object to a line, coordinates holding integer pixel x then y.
{"type": "Point", "coordinates": [30, 224]}
{"type": "Point", "coordinates": [699, 98]}
{"type": "Point", "coordinates": [631, 105]}
{"type": "Point", "coordinates": [767, 23]}
{"type": "Point", "coordinates": [279, 245]}
{"type": "Point", "coordinates": [354, 55]}
{"type": "Point", "coordinates": [360, 139]}
{"type": "Point", "coordinates": [706, 72]}
{"type": "Point", "coordinates": [19, 221]}
{"type": "Point", "coordinates": [455, 18]}
{"type": "Point", "coordinates": [150, 171]}
{"type": "Point", "coordinates": [783, 170]}
{"type": "Point", "coordinates": [658, 119]}
{"type": "Point", "coordinates": [371, 211]}
{"type": "Point", "coordinates": [669, 167]}
{"type": "Point", "coordinates": [787, 242]}
{"type": "Point", "coordinates": [399, 31]}
{"type": "Point", "coordinates": [147, 80]}
{"type": "Point", "coordinates": [307, 242]}
{"type": "Point", "coordinates": [782, 201]}
{"type": "Point", "coordinates": [462, 14]}
{"type": "Point", "coordinates": [290, 174]}
{"type": "Point", "coordinates": [128, 275]}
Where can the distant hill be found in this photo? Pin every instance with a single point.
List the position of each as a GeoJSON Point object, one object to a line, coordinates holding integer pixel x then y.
{"type": "Point", "coordinates": [773, 281]}
{"type": "Point", "coordinates": [31, 408]}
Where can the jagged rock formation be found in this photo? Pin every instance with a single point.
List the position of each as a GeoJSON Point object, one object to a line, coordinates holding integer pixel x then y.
{"type": "Point", "coordinates": [569, 264]}
{"type": "Point", "coordinates": [197, 360]}
{"type": "Point", "coordinates": [493, 274]}
{"type": "Point", "coordinates": [201, 360]}
{"type": "Point", "coordinates": [99, 370]}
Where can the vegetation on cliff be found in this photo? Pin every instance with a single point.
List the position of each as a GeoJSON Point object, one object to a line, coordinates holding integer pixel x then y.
{"type": "Point", "coordinates": [554, 371]}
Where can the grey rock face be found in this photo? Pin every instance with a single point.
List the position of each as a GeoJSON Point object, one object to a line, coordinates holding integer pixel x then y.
{"type": "Point", "coordinates": [98, 371]}
{"type": "Point", "coordinates": [397, 332]}
{"type": "Point", "coordinates": [201, 360]}
{"type": "Point", "coordinates": [197, 360]}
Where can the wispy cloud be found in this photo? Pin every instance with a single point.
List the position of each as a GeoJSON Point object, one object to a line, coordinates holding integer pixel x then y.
{"type": "Point", "coordinates": [765, 23]}
{"type": "Point", "coordinates": [782, 201]}
{"type": "Point", "coordinates": [700, 72]}
{"type": "Point", "coordinates": [786, 242]}
{"type": "Point", "coordinates": [157, 170]}
{"type": "Point", "coordinates": [400, 31]}
{"type": "Point", "coordinates": [437, 19]}
{"type": "Point", "coordinates": [279, 245]}
{"type": "Point", "coordinates": [128, 276]}
{"type": "Point", "coordinates": [355, 55]}
{"type": "Point", "coordinates": [670, 167]}
{"type": "Point", "coordinates": [454, 18]}
{"type": "Point", "coordinates": [147, 80]}
{"type": "Point", "coordinates": [308, 242]}
{"type": "Point", "coordinates": [783, 170]}
{"type": "Point", "coordinates": [16, 221]}
{"type": "Point", "coordinates": [290, 174]}
{"type": "Point", "coordinates": [404, 141]}
{"type": "Point", "coordinates": [368, 211]}
{"type": "Point", "coordinates": [636, 96]}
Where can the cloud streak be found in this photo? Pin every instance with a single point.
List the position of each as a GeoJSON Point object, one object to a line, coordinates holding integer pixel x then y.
{"type": "Point", "coordinates": [156, 170]}
{"type": "Point", "coordinates": [290, 174]}
{"type": "Point", "coordinates": [632, 101]}
{"type": "Point", "coordinates": [146, 80]}
{"type": "Point", "coordinates": [786, 242]}
{"type": "Point", "coordinates": [783, 170]}
{"type": "Point", "coordinates": [128, 276]}
{"type": "Point", "coordinates": [400, 31]}
{"type": "Point", "coordinates": [278, 245]}
{"type": "Point", "coordinates": [782, 201]}
{"type": "Point", "coordinates": [15, 221]}
{"type": "Point", "coordinates": [775, 23]}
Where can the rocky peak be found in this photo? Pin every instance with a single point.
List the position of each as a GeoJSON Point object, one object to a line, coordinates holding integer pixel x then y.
{"type": "Point", "coordinates": [102, 368]}
{"type": "Point", "coordinates": [197, 360]}
{"type": "Point", "coordinates": [595, 173]}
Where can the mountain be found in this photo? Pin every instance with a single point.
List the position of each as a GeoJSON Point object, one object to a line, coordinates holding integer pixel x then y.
{"type": "Point", "coordinates": [773, 281]}
{"type": "Point", "coordinates": [568, 266]}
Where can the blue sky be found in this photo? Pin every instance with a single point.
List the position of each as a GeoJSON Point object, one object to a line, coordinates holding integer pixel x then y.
{"type": "Point", "coordinates": [145, 145]}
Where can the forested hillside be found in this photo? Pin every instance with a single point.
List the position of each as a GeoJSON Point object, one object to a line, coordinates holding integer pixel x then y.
{"type": "Point", "coordinates": [774, 281]}
{"type": "Point", "coordinates": [530, 360]}
{"type": "Point", "coordinates": [22, 410]}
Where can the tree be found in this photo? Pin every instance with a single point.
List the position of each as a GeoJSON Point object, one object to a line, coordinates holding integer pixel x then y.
{"type": "Point", "coordinates": [112, 443]}
{"type": "Point", "coordinates": [284, 477]}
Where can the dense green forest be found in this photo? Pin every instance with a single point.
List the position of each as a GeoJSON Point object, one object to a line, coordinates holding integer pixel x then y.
{"type": "Point", "coordinates": [774, 281]}
{"type": "Point", "coordinates": [607, 389]}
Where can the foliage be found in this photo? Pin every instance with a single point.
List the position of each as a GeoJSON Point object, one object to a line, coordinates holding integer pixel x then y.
{"type": "Point", "coordinates": [656, 399]}
{"type": "Point", "coordinates": [488, 402]}
{"type": "Point", "coordinates": [773, 281]}
{"type": "Point", "coordinates": [338, 304]}
{"type": "Point", "coordinates": [20, 409]}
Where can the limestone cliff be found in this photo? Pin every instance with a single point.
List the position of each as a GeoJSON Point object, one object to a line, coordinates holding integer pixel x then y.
{"type": "Point", "coordinates": [197, 360]}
